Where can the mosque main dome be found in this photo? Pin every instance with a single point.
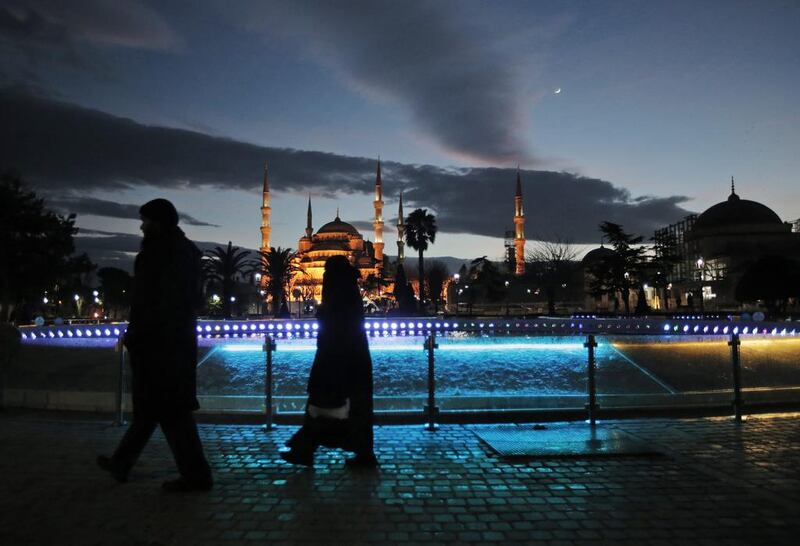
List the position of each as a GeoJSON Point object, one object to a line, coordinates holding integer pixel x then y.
{"type": "Point", "coordinates": [738, 215]}
{"type": "Point", "coordinates": [338, 226]}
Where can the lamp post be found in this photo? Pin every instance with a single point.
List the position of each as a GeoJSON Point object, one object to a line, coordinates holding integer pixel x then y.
{"type": "Point", "coordinates": [700, 267]}
{"type": "Point", "coordinates": [507, 304]}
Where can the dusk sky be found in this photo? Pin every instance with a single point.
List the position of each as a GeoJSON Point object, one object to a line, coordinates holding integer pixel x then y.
{"type": "Point", "coordinates": [637, 112]}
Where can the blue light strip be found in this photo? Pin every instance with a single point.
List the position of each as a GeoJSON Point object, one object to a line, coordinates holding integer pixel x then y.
{"type": "Point", "coordinates": [690, 325]}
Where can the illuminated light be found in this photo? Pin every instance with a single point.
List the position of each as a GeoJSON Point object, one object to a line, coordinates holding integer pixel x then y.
{"type": "Point", "coordinates": [107, 332]}
{"type": "Point", "coordinates": [783, 332]}
{"type": "Point", "coordinates": [438, 325]}
{"type": "Point", "coordinates": [199, 328]}
{"type": "Point", "coordinates": [33, 335]}
{"type": "Point", "coordinates": [235, 327]}
{"type": "Point", "coordinates": [207, 328]}
{"type": "Point", "coordinates": [50, 334]}
{"type": "Point", "coordinates": [427, 325]}
{"type": "Point", "coordinates": [725, 330]}
{"type": "Point", "coordinates": [774, 331]}
{"type": "Point", "coordinates": [226, 327]}
{"type": "Point", "coordinates": [60, 333]}
{"type": "Point", "coordinates": [419, 325]}
{"type": "Point", "coordinates": [289, 326]}
{"type": "Point", "coordinates": [735, 329]}
{"type": "Point", "coordinates": [480, 325]}
{"type": "Point", "coordinates": [696, 328]}
{"type": "Point", "coordinates": [455, 325]}
{"type": "Point", "coordinates": [447, 325]}
{"type": "Point", "coordinates": [367, 325]}
{"type": "Point", "coordinates": [393, 326]}
{"type": "Point", "coordinates": [403, 325]}
{"type": "Point", "coordinates": [315, 326]}
{"type": "Point", "coordinates": [217, 328]}
{"type": "Point", "coordinates": [385, 325]}
{"type": "Point", "coordinates": [271, 326]}
{"type": "Point", "coordinates": [508, 325]}
{"type": "Point", "coordinates": [685, 327]}
{"type": "Point", "coordinates": [260, 326]}
{"type": "Point", "coordinates": [280, 326]}
{"type": "Point", "coordinates": [305, 326]}
{"type": "Point", "coordinates": [69, 333]}
{"type": "Point", "coordinates": [491, 325]}
{"type": "Point", "coordinates": [705, 328]}
{"type": "Point", "coordinates": [252, 327]}
{"type": "Point", "coordinates": [745, 329]}
{"type": "Point", "coordinates": [675, 328]}
{"type": "Point", "coordinates": [24, 336]}
{"type": "Point", "coordinates": [87, 332]}
{"type": "Point", "coordinates": [716, 329]}
{"type": "Point", "coordinates": [280, 334]}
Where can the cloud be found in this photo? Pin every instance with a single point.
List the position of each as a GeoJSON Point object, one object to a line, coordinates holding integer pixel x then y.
{"type": "Point", "coordinates": [38, 35]}
{"type": "Point", "coordinates": [64, 148]}
{"type": "Point", "coordinates": [100, 207]}
{"type": "Point", "coordinates": [462, 93]}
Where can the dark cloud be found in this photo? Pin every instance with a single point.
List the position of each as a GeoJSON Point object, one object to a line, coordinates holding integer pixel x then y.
{"type": "Point", "coordinates": [463, 94]}
{"type": "Point", "coordinates": [38, 35]}
{"type": "Point", "coordinates": [64, 148]}
{"type": "Point", "coordinates": [100, 207]}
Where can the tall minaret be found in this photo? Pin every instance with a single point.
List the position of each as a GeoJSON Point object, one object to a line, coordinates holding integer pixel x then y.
{"type": "Point", "coordinates": [265, 212]}
{"type": "Point", "coordinates": [519, 233]}
{"type": "Point", "coordinates": [378, 223]}
{"type": "Point", "coordinates": [309, 229]}
{"type": "Point", "coordinates": [401, 232]}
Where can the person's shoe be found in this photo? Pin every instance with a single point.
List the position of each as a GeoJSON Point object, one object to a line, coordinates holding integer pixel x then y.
{"type": "Point", "coordinates": [292, 456]}
{"type": "Point", "coordinates": [184, 485]}
{"type": "Point", "coordinates": [362, 461]}
{"type": "Point", "coordinates": [113, 468]}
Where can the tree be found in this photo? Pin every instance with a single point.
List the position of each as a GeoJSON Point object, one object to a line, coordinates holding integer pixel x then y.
{"type": "Point", "coordinates": [550, 265]}
{"type": "Point", "coordinates": [487, 278]}
{"type": "Point", "coordinates": [279, 266]}
{"type": "Point", "coordinates": [437, 275]}
{"type": "Point", "coordinates": [420, 230]}
{"type": "Point", "coordinates": [403, 294]}
{"type": "Point", "coordinates": [622, 271]}
{"type": "Point", "coordinates": [35, 246]}
{"type": "Point", "coordinates": [771, 279]}
{"type": "Point", "coordinates": [222, 266]}
{"type": "Point", "coordinates": [665, 258]}
{"type": "Point", "coordinates": [115, 288]}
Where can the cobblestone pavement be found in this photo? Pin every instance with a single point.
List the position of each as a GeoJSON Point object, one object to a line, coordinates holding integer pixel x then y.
{"type": "Point", "coordinates": [717, 483]}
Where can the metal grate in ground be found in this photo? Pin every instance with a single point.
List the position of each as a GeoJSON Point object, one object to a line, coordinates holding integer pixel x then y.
{"type": "Point", "coordinates": [557, 440]}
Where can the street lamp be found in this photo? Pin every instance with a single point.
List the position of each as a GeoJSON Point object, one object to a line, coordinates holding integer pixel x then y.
{"type": "Point", "coordinates": [700, 267]}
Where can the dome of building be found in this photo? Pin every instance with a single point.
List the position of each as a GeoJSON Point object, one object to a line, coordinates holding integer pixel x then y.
{"type": "Point", "coordinates": [337, 226]}
{"type": "Point", "coordinates": [736, 214]}
{"type": "Point", "coordinates": [598, 254]}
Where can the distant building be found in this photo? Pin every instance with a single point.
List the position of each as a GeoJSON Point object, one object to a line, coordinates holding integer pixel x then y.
{"type": "Point", "coordinates": [716, 248]}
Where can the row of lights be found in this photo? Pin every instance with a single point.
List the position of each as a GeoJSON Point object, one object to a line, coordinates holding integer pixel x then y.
{"type": "Point", "coordinates": [411, 326]}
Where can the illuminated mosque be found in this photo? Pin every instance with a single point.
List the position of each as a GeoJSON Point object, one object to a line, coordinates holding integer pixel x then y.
{"type": "Point", "coordinates": [339, 238]}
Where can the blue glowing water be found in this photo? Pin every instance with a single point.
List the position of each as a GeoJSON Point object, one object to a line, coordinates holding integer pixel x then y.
{"type": "Point", "coordinates": [465, 366]}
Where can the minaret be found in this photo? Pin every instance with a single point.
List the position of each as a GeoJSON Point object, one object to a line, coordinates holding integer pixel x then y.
{"type": "Point", "coordinates": [265, 212]}
{"type": "Point", "coordinates": [401, 232]}
{"type": "Point", "coordinates": [378, 223]}
{"type": "Point", "coordinates": [519, 233]}
{"type": "Point", "coordinates": [309, 229]}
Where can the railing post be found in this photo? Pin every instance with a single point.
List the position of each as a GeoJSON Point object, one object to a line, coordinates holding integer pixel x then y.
{"type": "Point", "coordinates": [737, 377]}
{"type": "Point", "coordinates": [592, 405]}
{"type": "Point", "coordinates": [269, 348]}
{"type": "Point", "coordinates": [431, 409]}
{"type": "Point", "coordinates": [119, 416]}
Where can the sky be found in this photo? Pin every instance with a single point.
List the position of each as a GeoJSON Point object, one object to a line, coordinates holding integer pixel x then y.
{"type": "Point", "coordinates": [636, 112]}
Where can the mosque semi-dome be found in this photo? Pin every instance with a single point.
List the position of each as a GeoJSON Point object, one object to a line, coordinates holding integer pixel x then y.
{"type": "Point", "coordinates": [598, 254]}
{"type": "Point", "coordinates": [338, 226]}
{"type": "Point", "coordinates": [737, 214]}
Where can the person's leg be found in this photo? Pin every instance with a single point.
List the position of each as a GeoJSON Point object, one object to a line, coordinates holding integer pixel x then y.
{"type": "Point", "coordinates": [361, 432]}
{"type": "Point", "coordinates": [180, 430]}
{"type": "Point", "coordinates": [136, 437]}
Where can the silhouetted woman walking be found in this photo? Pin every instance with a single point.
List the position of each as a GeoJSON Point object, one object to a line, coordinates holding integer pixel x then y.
{"type": "Point", "coordinates": [339, 410]}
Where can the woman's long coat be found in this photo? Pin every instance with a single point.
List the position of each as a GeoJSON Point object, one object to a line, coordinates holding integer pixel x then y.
{"type": "Point", "coordinates": [161, 335]}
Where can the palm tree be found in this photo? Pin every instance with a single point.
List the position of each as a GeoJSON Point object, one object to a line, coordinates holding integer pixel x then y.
{"type": "Point", "coordinates": [222, 266]}
{"type": "Point", "coordinates": [420, 230]}
{"type": "Point", "coordinates": [437, 274]}
{"type": "Point", "coordinates": [279, 266]}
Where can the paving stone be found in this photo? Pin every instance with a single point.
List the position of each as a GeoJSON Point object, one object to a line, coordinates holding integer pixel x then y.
{"type": "Point", "coordinates": [719, 482]}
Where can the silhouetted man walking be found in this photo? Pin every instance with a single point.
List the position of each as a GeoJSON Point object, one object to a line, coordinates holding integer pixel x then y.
{"type": "Point", "coordinates": [162, 342]}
